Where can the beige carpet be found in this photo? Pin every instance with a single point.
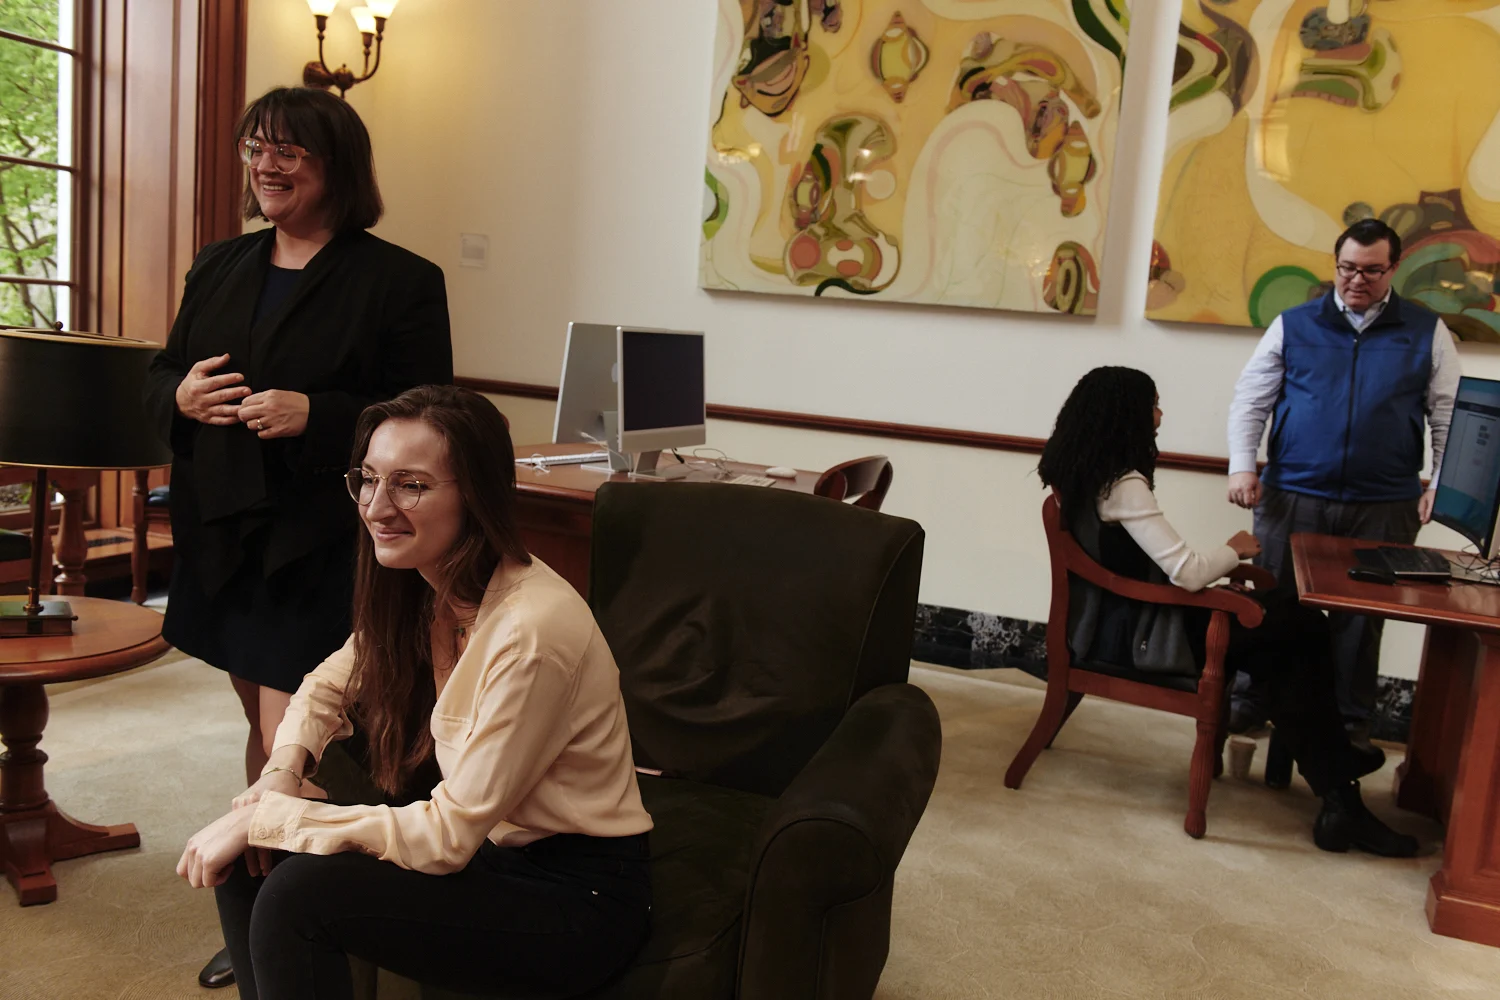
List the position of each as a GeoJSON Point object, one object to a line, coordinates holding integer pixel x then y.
{"type": "Point", "coordinates": [1081, 885]}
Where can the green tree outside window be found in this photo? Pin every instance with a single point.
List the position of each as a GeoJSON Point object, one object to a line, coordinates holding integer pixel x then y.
{"type": "Point", "coordinates": [29, 204]}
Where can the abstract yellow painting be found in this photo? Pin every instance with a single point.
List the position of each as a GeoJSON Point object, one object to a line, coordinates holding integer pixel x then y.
{"type": "Point", "coordinates": [955, 152]}
{"type": "Point", "coordinates": [1292, 119]}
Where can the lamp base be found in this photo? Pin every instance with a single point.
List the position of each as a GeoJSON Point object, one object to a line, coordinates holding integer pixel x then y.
{"type": "Point", "coordinates": [55, 618]}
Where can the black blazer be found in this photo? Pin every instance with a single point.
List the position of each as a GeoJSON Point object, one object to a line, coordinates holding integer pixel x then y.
{"type": "Point", "coordinates": [366, 321]}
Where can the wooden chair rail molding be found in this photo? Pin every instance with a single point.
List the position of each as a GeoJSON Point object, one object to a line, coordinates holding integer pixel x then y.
{"type": "Point", "coordinates": [867, 428]}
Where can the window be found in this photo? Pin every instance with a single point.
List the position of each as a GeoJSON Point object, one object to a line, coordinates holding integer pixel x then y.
{"type": "Point", "coordinates": [38, 161]}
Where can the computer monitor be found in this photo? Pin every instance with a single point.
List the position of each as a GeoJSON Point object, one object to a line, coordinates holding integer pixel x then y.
{"type": "Point", "coordinates": [586, 390]}
{"type": "Point", "coordinates": [1468, 493]}
{"type": "Point", "coordinates": [661, 400]}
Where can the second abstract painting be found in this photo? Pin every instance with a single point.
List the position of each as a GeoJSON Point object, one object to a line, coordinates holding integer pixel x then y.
{"type": "Point", "coordinates": [1292, 119]}
{"type": "Point", "coordinates": [955, 152]}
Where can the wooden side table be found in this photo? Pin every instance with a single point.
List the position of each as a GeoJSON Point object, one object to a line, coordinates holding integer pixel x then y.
{"type": "Point", "coordinates": [109, 636]}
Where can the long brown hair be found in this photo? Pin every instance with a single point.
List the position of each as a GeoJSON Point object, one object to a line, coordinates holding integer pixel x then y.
{"type": "Point", "coordinates": [392, 691]}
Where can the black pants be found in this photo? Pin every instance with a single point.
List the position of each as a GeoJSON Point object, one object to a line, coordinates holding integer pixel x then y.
{"type": "Point", "coordinates": [1355, 638]}
{"type": "Point", "coordinates": [563, 914]}
{"type": "Point", "coordinates": [1288, 653]}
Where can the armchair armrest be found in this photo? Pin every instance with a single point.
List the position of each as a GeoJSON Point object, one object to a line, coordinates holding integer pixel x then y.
{"type": "Point", "coordinates": [1246, 609]}
{"type": "Point", "coordinates": [817, 910]}
{"type": "Point", "coordinates": [1262, 579]}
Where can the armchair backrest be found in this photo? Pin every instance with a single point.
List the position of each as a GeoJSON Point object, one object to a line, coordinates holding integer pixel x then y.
{"type": "Point", "coordinates": [746, 620]}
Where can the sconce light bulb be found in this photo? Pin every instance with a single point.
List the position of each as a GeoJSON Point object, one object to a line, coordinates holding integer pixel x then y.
{"type": "Point", "coordinates": [364, 19]}
{"type": "Point", "coordinates": [381, 8]}
{"type": "Point", "coordinates": [322, 8]}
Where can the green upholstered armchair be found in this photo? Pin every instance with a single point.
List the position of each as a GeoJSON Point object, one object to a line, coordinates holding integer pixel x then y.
{"type": "Point", "coordinates": [764, 639]}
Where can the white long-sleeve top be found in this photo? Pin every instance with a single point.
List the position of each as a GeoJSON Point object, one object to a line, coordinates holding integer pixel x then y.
{"type": "Point", "coordinates": [1259, 386]}
{"type": "Point", "coordinates": [1130, 503]}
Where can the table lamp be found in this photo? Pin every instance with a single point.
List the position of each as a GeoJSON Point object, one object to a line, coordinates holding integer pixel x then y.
{"type": "Point", "coordinates": [69, 401]}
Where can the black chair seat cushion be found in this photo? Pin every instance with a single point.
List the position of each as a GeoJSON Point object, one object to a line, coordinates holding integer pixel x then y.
{"type": "Point", "coordinates": [14, 545]}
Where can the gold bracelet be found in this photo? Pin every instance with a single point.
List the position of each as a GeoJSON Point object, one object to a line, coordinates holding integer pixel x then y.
{"type": "Point", "coordinates": [272, 770]}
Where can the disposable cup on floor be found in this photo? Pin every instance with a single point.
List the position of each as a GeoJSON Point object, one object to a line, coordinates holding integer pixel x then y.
{"type": "Point", "coordinates": [1241, 753]}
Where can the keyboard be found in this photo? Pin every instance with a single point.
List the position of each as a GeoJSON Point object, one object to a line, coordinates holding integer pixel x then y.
{"type": "Point", "coordinates": [547, 461]}
{"type": "Point", "coordinates": [1407, 562]}
{"type": "Point", "coordinates": [746, 479]}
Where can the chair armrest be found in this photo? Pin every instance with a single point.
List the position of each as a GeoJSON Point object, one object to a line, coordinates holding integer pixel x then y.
{"type": "Point", "coordinates": [1246, 609]}
{"type": "Point", "coordinates": [817, 909]}
{"type": "Point", "coordinates": [1262, 579]}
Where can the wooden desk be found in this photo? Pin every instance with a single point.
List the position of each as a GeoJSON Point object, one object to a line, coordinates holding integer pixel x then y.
{"type": "Point", "coordinates": [108, 637]}
{"type": "Point", "coordinates": [555, 508]}
{"type": "Point", "coordinates": [1452, 766]}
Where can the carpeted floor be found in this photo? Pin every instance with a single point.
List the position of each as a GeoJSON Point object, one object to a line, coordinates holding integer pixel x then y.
{"type": "Point", "coordinates": [1081, 885]}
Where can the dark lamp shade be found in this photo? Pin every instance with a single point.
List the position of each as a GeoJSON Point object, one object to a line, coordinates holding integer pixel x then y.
{"type": "Point", "coordinates": [76, 401]}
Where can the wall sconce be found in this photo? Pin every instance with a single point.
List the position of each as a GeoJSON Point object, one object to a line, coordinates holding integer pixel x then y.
{"type": "Point", "coordinates": [371, 20]}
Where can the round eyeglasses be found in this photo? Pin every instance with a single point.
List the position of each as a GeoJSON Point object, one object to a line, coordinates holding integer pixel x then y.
{"type": "Point", "coordinates": [285, 157]}
{"type": "Point", "coordinates": [404, 489]}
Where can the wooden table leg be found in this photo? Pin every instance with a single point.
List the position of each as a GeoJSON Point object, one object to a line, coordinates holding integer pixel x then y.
{"type": "Point", "coordinates": [1463, 899]}
{"type": "Point", "coordinates": [33, 831]}
{"type": "Point", "coordinates": [1424, 781]}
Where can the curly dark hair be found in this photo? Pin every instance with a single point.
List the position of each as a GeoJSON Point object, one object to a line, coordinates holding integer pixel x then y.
{"type": "Point", "coordinates": [1103, 431]}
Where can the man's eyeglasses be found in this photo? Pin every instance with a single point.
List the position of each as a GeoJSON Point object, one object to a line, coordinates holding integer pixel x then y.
{"type": "Point", "coordinates": [404, 489]}
{"type": "Point", "coordinates": [1368, 273]}
{"type": "Point", "coordinates": [285, 157]}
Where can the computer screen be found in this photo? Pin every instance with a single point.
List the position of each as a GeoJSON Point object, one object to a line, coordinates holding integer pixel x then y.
{"type": "Point", "coordinates": [1468, 495]}
{"type": "Point", "coordinates": [661, 389]}
{"type": "Point", "coordinates": [587, 387]}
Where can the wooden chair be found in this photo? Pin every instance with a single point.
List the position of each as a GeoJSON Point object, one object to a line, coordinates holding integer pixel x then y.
{"type": "Point", "coordinates": [1202, 699]}
{"type": "Point", "coordinates": [864, 479]}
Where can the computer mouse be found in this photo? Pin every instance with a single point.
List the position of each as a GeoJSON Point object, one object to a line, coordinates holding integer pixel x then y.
{"type": "Point", "coordinates": [1369, 574]}
{"type": "Point", "coordinates": [781, 472]}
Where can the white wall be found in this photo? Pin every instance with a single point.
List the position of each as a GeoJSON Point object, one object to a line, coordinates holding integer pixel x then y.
{"type": "Point", "coordinates": [573, 132]}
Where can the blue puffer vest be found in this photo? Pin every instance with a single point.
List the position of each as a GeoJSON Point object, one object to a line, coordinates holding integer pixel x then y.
{"type": "Point", "coordinates": [1348, 424]}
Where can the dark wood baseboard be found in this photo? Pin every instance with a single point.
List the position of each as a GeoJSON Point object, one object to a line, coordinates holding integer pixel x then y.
{"type": "Point", "coordinates": [866, 428]}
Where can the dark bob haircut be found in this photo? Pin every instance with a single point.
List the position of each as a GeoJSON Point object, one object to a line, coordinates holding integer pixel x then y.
{"type": "Point", "coordinates": [1367, 233]}
{"type": "Point", "coordinates": [327, 127]}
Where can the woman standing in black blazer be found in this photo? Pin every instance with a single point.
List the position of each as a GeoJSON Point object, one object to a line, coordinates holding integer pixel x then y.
{"type": "Point", "coordinates": [284, 335]}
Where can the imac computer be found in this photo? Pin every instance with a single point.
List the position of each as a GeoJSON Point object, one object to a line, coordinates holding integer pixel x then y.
{"type": "Point", "coordinates": [661, 400]}
{"type": "Point", "coordinates": [1468, 493]}
{"type": "Point", "coordinates": [586, 390]}
{"type": "Point", "coordinates": [632, 390]}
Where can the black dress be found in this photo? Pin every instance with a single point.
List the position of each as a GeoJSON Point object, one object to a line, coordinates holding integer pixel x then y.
{"type": "Point", "coordinates": [264, 531]}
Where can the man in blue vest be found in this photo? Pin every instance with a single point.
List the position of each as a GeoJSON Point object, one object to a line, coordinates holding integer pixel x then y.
{"type": "Point", "coordinates": [1348, 380]}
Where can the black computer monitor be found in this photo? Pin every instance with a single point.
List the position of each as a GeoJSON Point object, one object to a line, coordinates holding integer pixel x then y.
{"type": "Point", "coordinates": [661, 398]}
{"type": "Point", "coordinates": [1468, 494]}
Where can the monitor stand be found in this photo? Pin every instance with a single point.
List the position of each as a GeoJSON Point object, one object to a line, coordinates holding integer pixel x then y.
{"type": "Point", "coordinates": [642, 464]}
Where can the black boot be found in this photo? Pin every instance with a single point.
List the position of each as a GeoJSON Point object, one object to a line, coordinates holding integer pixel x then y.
{"type": "Point", "coordinates": [1345, 822]}
{"type": "Point", "coordinates": [218, 972]}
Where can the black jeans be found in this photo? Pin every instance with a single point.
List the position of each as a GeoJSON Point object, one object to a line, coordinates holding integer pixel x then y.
{"type": "Point", "coordinates": [1288, 653]}
{"type": "Point", "coordinates": [1355, 638]}
{"type": "Point", "coordinates": [564, 914]}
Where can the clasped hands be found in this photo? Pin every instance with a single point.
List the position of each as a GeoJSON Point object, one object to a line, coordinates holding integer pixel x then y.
{"type": "Point", "coordinates": [221, 401]}
{"type": "Point", "coordinates": [211, 852]}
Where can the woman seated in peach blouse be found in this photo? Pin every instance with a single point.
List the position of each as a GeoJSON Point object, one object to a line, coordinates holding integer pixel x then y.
{"type": "Point", "coordinates": [525, 865]}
